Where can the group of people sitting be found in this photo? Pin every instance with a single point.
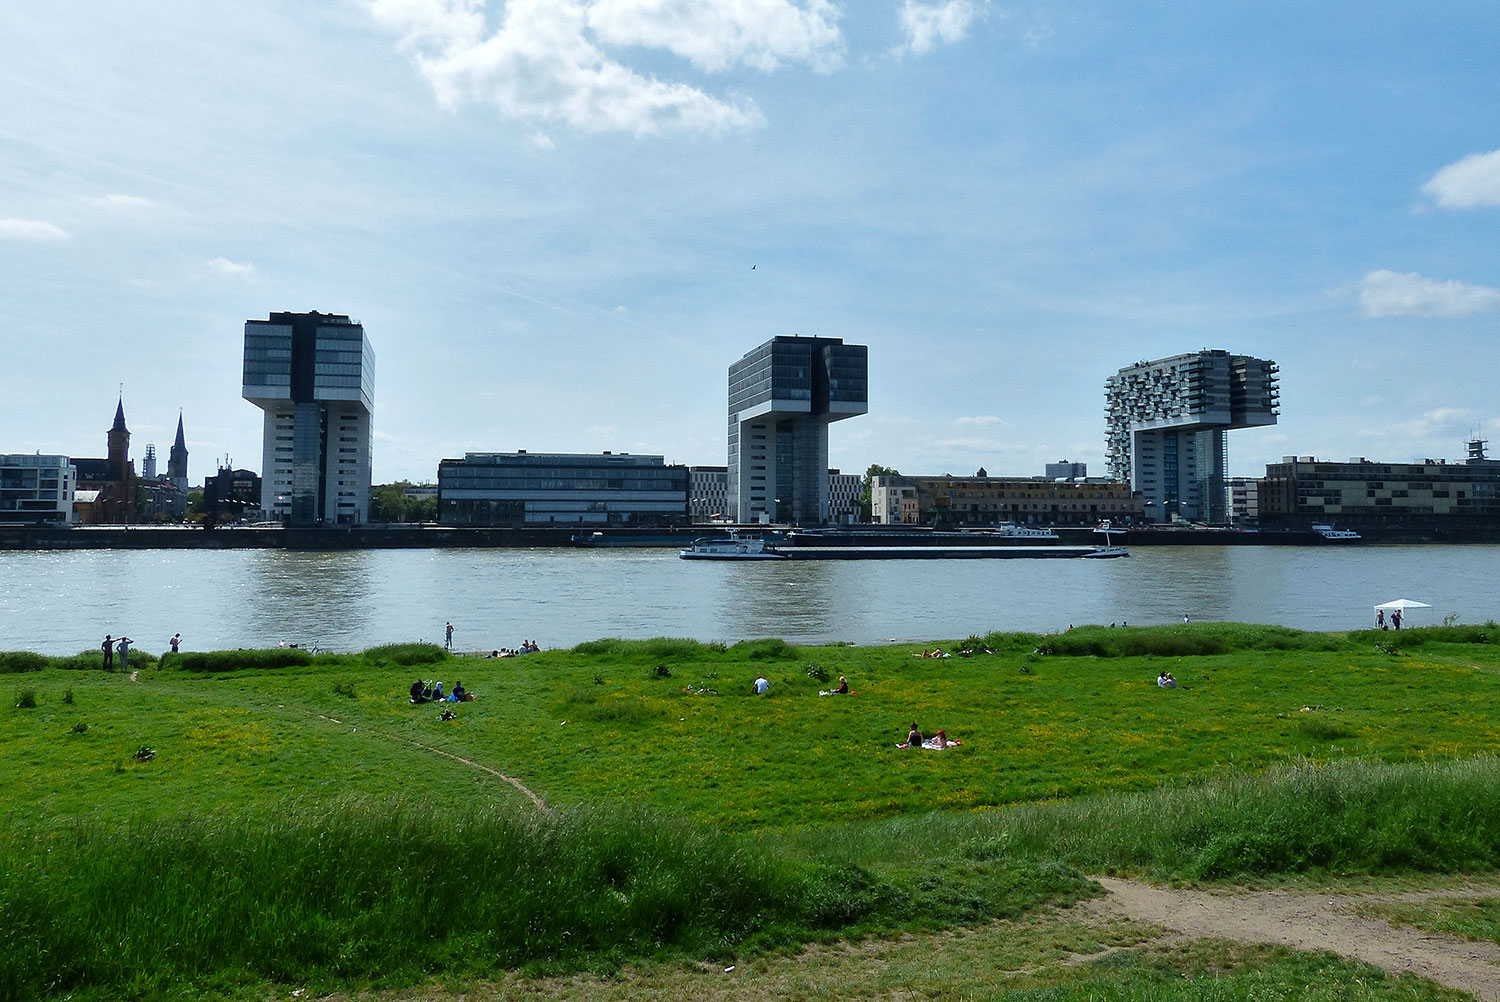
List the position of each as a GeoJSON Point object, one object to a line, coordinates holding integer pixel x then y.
{"type": "Point", "coordinates": [1166, 681]}
{"type": "Point", "coordinates": [527, 647]}
{"type": "Point", "coordinates": [432, 692]}
{"type": "Point", "coordinates": [938, 742]}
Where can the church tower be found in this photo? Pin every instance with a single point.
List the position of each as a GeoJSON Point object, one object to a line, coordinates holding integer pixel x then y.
{"type": "Point", "coordinates": [177, 459]}
{"type": "Point", "coordinates": [119, 445]}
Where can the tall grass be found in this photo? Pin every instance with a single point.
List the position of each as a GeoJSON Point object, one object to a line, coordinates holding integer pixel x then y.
{"type": "Point", "coordinates": [382, 891]}
{"type": "Point", "coordinates": [1350, 817]}
{"type": "Point", "coordinates": [1186, 640]}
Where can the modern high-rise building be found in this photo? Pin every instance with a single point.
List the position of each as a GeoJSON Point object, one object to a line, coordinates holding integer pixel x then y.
{"type": "Point", "coordinates": [314, 376]}
{"type": "Point", "coordinates": [1168, 428]}
{"type": "Point", "coordinates": [782, 398]}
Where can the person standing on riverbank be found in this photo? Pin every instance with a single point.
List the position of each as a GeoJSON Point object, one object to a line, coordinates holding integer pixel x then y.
{"type": "Point", "coordinates": [448, 638]}
{"type": "Point", "coordinates": [108, 647]}
{"type": "Point", "coordinates": [176, 641]}
{"type": "Point", "coordinates": [123, 646]}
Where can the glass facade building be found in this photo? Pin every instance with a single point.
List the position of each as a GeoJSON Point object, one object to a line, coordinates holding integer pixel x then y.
{"type": "Point", "coordinates": [37, 489]}
{"type": "Point", "coordinates": [313, 374]}
{"type": "Point", "coordinates": [782, 397]}
{"type": "Point", "coordinates": [522, 488]}
{"type": "Point", "coordinates": [1168, 423]}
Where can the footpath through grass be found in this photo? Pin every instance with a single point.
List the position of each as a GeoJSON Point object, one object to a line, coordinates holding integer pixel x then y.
{"type": "Point", "coordinates": [244, 817]}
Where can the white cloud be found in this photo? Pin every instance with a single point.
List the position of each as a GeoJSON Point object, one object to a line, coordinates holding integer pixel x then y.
{"type": "Point", "coordinates": [31, 229]}
{"type": "Point", "coordinates": [226, 268]}
{"type": "Point", "coordinates": [1397, 294]}
{"type": "Point", "coordinates": [541, 64]}
{"type": "Point", "coordinates": [1471, 182]}
{"type": "Point", "coordinates": [929, 25]}
{"type": "Point", "coordinates": [980, 420]}
{"type": "Point", "coordinates": [716, 36]}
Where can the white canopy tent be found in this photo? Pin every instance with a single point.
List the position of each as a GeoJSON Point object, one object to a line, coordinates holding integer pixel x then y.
{"type": "Point", "coordinates": [1401, 605]}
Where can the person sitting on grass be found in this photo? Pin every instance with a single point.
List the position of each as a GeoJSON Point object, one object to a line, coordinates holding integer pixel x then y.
{"type": "Point", "coordinates": [1166, 681]}
{"type": "Point", "coordinates": [418, 694]}
{"type": "Point", "coordinates": [760, 686]}
{"type": "Point", "coordinates": [843, 689]}
{"type": "Point", "coordinates": [914, 736]}
{"type": "Point", "coordinates": [940, 740]}
{"type": "Point", "coordinates": [437, 692]}
{"type": "Point", "coordinates": [459, 694]}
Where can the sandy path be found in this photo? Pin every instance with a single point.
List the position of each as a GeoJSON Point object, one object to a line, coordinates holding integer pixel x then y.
{"type": "Point", "coordinates": [1315, 922]}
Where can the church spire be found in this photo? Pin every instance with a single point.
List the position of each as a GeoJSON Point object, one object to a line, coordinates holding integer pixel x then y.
{"type": "Point", "coordinates": [181, 443]}
{"type": "Point", "coordinates": [120, 417]}
{"type": "Point", "coordinates": [177, 459]}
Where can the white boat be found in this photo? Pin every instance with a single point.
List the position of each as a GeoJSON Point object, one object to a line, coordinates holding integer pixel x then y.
{"type": "Point", "coordinates": [1107, 550]}
{"type": "Point", "coordinates": [1338, 535]}
{"type": "Point", "coordinates": [1012, 531]}
{"type": "Point", "coordinates": [735, 547]}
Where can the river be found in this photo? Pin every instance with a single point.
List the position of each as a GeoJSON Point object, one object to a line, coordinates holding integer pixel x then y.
{"type": "Point", "coordinates": [63, 602]}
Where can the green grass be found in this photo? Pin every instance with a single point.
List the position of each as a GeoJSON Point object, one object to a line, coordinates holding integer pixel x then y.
{"type": "Point", "coordinates": [1471, 918]}
{"type": "Point", "coordinates": [334, 824]}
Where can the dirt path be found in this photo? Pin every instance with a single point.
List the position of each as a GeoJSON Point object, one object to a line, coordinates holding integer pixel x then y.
{"type": "Point", "coordinates": [539, 803]}
{"type": "Point", "coordinates": [1315, 922]}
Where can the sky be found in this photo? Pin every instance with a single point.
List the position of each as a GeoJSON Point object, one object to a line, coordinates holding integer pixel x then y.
{"type": "Point", "coordinates": [560, 221]}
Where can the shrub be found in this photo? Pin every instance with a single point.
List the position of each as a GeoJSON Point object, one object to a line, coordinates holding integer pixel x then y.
{"type": "Point", "coordinates": [222, 661]}
{"type": "Point", "coordinates": [405, 654]}
{"type": "Point", "coordinates": [818, 672]}
{"type": "Point", "coordinates": [769, 649]}
{"type": "Point", "coordinates": [26, 699]}
{"type": "Point", "coordinates": [15, 662]}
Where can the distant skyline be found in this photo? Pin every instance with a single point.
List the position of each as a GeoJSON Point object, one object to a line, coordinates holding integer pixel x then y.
{"type": "Point", "coordinates": [559, 221]}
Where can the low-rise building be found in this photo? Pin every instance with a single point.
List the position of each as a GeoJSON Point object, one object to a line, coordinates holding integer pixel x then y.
{"type": "Point", "coordinates": [37, 489]}
{"type": "Point", "coordinates": [976, 501]}
{"type": "Point", "coordinates": [528, 489]}
{"type": "Point", "coordinates": [708, 493]}
{"type": "Point", "coordinates": [1301, 491]}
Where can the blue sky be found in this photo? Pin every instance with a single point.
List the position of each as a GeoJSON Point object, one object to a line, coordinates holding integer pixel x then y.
{"type": "Point", "coordinates": [546, 212]}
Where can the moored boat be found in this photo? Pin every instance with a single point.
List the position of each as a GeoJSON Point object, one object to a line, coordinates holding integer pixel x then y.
{"type": "Point", "coordinates": [735, 547]}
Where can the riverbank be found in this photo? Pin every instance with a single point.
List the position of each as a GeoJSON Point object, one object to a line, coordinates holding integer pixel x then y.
{"type": "Point", "coordinates": [249, 822]}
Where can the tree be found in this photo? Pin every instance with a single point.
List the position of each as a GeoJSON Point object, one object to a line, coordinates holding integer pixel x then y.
{"type": "Point", "coordinates": [391, 503]}
{"type": "Point", "coordinates": [866, 501]}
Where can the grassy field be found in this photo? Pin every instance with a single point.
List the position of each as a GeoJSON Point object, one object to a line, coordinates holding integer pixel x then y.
{"type": "Point", "coordinates": [246, 825]}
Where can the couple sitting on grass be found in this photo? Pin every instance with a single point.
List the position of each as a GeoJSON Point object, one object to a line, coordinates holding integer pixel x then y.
{"type": "Point", "coordinates": [938, 742]}
{"type": "Point", "coordinates": [425, 692]}
{"type": "Point", "coordinates": [1166, 681]}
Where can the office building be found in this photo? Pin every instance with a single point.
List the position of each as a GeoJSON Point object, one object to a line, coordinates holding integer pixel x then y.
{"type": "Point", "coordinates": [844, 490]}
{"type": "Point", "coordinates": [782, 397]}
{"type": "Point", "coordinates": [1362, 495]}
{"type": "Point", "coordinates": [955, 502]}
{"type": "Point", "coordinates": [313, 374]}
{"type": "Point", "coordinates": [1064, 470]}
{"type": "Point", "coordinates": [1168, 424]}
{"type": "Point", "coordinates": [708, 493]}
{"type": "Point", "coordinates": [37, 489]}
{"type": "Point", "coordinates": [534, 489]}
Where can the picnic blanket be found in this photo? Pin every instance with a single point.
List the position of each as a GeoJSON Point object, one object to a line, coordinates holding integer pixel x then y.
{"type": "Point", "coordinates": [933, 745]}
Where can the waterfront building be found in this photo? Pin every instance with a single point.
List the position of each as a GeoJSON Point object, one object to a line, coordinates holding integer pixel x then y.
{"type": "Point", "coordinates": [1244, 501]}
{"type": "Point", "coordinates": [844, 490]}
{"type": "Point", "coordinates": [952, 502]}
{"type": "Point", "coordinates": [37, 489]}
{"type": "Point", "coordinates": [526, 489]}
{"type": "Point", "coordinates": [708, 493]}
{"type": "Point", "coordinates": [1065, 470]}
{"type": "Point", "coordinates": [230, 493]}
{"type": "Point", "coordinates": [313, 374]}
{"type": "Point", "coordinates": [1168, 424]}
{"type": "Point", "coordinates": [1362, 495]}
{"type": "Point", "coordinates": [782, 397]}
{"type": "Point", "coordinates": [112, 480]}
